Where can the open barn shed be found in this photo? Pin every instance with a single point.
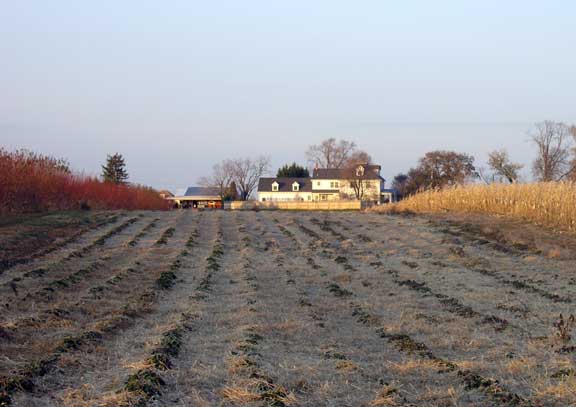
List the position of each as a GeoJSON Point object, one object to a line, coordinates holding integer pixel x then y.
{"type": "Point", "coordinates": [198, 198]}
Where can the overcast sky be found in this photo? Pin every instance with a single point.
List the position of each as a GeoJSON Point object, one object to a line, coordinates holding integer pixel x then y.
{"type": "Point", "coordinates": [178, 85]}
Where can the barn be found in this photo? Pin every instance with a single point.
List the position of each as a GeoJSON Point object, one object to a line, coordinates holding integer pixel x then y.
{"type": "Point", "coordinates": [199, 197]}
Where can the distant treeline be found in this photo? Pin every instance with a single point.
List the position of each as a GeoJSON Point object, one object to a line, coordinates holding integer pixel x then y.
{"type": "Point", "coordinates": [555, 161]}
{"type": "Point", "coordinates": [31, 182]}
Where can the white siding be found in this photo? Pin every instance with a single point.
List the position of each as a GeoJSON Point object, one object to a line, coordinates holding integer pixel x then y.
{"type": "Point", "coordinates": [325, 184]}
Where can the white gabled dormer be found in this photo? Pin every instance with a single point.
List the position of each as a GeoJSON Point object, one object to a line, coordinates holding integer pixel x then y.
{"type": "Point", "coordinates": [295, 187]}
{"type": "Point", "coordinates": [275, 186]}
{"type": "Point", "coordinates": [360, 171]}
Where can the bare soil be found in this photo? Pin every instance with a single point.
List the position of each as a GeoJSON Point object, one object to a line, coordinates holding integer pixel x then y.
{"type": "Point", "coordinates": [218, 308]}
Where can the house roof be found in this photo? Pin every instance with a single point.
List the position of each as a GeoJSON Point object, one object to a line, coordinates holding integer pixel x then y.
{"type": "Point", "coordinates": [370, 172]}
{"type": "Point", "coordinates": [284, 184]}
{"type": "Point", "coordinates": [202, 191]}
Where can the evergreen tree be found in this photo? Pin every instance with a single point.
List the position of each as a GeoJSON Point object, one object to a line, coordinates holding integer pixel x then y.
{"type": "Point", "coordinates": [231, 192]}
{"type": "Point", "coordinates": [293, 171]}
{"type": "Point", "coordinates": [115, 169]}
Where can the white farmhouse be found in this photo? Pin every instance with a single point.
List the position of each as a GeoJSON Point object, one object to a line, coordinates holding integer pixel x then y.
{"type": "Point", "coordinates": [362, 182]}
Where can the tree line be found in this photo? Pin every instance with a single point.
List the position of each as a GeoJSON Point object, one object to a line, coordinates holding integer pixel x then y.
{"type": "Point", "coordinates": [555, 144]}
{"type": "Point", "coordinates": [238, 178]}
{"type": "Point", "coordinates": [555, 160]}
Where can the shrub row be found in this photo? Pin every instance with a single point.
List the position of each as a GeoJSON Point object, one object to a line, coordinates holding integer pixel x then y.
{"type": "Point", "coordinates": [32, 182]}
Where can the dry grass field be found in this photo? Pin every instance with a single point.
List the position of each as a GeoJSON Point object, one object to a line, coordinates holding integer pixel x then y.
{"type": "Point", "coordinates": [248, 308]}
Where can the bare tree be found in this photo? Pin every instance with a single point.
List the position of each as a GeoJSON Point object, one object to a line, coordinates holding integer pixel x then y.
{"type": "Point", "coordinates": [439, 169]}
{"type": "Point", "coordinates": [500, 163]}
{"type": "Point", "coordinates": [445, 168]}
{"type": "Point", "coordinates": [358, 157]}
{"type": "Point", "coordinates": [572, 174]}
{"type": "Point", "coordinates": [246, 172]}
{"type": "Point", "coordinates": [553, 140]}
{"type": "Point", "coordinates": [221, 178]}
{"type": "Point", "coordinates": [331, 153]}
{"type": "Point", "coordinates": [485, 176]}
{"type": "Point", "coordinates": [358, 181]}
{"type": "Point", "coordinates": [241, 174]}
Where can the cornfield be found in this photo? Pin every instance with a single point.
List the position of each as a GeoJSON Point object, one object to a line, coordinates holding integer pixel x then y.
{"type": "Point", "coordinates": [552, 204]}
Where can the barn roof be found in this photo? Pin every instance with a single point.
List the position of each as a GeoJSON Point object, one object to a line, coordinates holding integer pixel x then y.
{"type": "Point", "coordinates": [202, 191]}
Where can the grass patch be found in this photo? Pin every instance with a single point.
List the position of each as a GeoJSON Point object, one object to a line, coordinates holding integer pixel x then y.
{"type": "Point", "coordinates": [168, 233]}
{"type": "Point", "coordinates": [145, 383]}
{"type": "Point", "coordinates": [166, 280]}
{"type": "Point", "coordinates": [338, 291]}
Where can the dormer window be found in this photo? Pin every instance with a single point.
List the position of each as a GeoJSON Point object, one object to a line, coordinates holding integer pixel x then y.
{"type": "Point", "coordinates": [295, 187]}
{"type": "Point", "coordinates": [275, 186]}
{"type": "Point", "coordinates": [360, 171]}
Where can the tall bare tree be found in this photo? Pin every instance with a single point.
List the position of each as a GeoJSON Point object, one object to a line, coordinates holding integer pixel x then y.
{"type": "Point", "coordinates": [221, 177]}
{"type": "Point", "coordinates": [246, 172]}
{"type": "Point", "coordinates": [331, 153]}
{"type": "Point", "coordinates": [554, 143]}
{"type": "Point", "coordinates": [500, 163]}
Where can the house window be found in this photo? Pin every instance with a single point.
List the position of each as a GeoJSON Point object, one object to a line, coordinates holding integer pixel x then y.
{"type": "Point", "coordinates": [295, 187]}
{"type": "Point", "coordinates": [331, 184]}
{"type": "Point", "coordinates": [275, 187]}
{"type": "Point", "coordinates": [360, 171]}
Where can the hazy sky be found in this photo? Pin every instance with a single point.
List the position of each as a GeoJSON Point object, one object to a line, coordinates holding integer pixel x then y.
{"type": "Point", "coordinates": [178, 85]}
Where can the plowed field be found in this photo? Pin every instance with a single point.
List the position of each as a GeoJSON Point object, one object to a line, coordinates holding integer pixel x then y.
{"type": "Point", "coordinates": [220, 308]}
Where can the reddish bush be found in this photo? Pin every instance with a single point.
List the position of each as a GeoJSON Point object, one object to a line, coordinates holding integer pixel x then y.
{"type": "Point", "coordinates": [32, 182]}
